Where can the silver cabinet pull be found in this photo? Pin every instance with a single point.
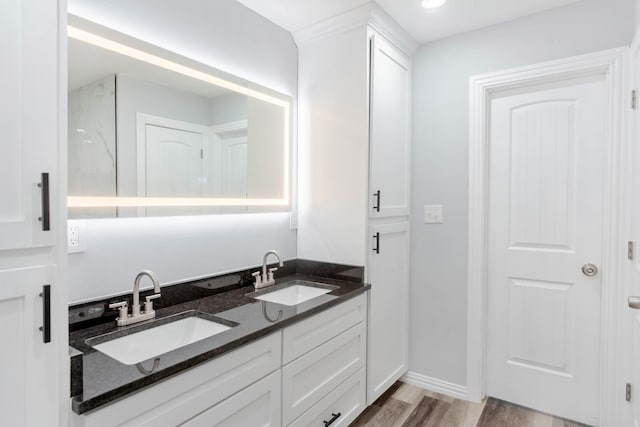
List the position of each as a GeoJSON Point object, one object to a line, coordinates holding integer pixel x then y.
{"type": "Point", "coordinates": [634, 302]}
{"type": "Point", "coordinates": [589, 270]}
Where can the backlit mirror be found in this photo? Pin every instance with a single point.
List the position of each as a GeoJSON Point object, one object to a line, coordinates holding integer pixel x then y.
{"type": "Point", "coordinates": [154, 133]}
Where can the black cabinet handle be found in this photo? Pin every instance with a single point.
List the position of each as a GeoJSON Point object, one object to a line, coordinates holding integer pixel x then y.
{"type": "Point", "coordinates": [333, 418]}
{"type": "Point", "coordinates": [46, 313]}
{"type": "Point", "coordinates": [376, 206]}
{"type": "Point", "coordinates": [46, 213]}
{"type": "Point", "coordinates": [376, 248]}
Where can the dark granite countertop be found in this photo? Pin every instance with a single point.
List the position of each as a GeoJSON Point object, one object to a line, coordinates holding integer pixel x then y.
{"type": "Point", "coordinates": [105, 380]}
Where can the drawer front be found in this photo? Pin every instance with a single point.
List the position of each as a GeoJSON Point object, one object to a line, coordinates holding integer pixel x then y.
{"type": "Point", "coordinates": [304, 336]}
{"type": "Point", "coordinates": [257, 405]}
{"type": "Point", "coordinates": [308, 379]}
{"type": "Point", "coordinates": [342, 405]}
{"type": "Point", "coordinates": [179, 398]}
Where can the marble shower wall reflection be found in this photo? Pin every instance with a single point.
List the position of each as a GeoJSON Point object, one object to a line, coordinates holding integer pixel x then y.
{"type": "Point", "coordinates": [92, 145]}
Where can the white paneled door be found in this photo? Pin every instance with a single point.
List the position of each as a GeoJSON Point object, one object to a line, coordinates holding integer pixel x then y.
{"type": "Point", "coordinates": [546, 185]}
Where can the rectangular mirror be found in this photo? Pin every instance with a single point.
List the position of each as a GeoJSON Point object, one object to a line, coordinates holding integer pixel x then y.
{"type": "Point", "coordinates": [154, 133]}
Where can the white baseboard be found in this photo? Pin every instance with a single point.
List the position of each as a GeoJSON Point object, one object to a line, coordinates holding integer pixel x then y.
{"type": "Point", "coordinates": [434, 384]}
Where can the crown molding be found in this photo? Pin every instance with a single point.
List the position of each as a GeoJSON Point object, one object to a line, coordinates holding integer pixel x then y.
{"type": "Point", "coordinates": [385, 25]}
{"type": "Point", "coordinates": [369, 14]}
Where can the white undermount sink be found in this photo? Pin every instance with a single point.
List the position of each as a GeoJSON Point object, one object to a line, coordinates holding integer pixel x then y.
{"type": "Point", "coordinates": [148, 343]}
{"type": "Point", "coordinates": [293, 295]}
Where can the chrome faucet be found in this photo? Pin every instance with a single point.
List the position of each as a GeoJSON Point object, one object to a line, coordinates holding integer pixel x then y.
{"type": "Point", "coordinates": [267, 278]}
{"type": "Point", "coordinates": [136, 315]}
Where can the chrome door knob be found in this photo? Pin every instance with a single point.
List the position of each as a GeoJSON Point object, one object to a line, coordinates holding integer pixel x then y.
{"type": "Point", "coordinates": [589, 270]}
{"type": "Point", "coordinates": [634, 302]}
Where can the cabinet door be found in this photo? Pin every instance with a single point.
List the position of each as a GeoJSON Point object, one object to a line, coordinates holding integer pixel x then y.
{"type": "Point", "coordinates": [257, 405]}
{"type": "Point", "coordinates": [28, 366]}
{"type": "Point", "coordinates": [388, 307]}
{"type": "Point", "coordinates": [338, 408]}
{"type": "Point", "coordinates": [306, 380]}
{"type": "Point", "coordinates": [388, 131]}
{"type": "Point", "coordinates": [28, 118]}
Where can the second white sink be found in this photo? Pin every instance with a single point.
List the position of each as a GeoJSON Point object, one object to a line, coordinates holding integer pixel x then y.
{"type": "Point", "coordinates": [148, 343]}
{"type": "Point", "coordinates": [293, 295]}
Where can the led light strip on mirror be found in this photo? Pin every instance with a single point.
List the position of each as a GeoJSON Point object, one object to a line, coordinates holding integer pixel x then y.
{"type": "Point", "coordinates": [158, 61]}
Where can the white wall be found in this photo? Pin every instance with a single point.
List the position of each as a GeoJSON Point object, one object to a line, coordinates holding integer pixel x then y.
{"type": "Point", "coordinates": [441, 72]}
{"type": "Point", "coordinates": [228, 108]}
{"type": "Point", "coordinates": [225, 35]}
{"type": "Point", "coordinates": [175, 248]}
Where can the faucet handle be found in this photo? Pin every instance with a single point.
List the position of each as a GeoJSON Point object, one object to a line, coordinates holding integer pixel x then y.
{"type": "Point", "coordinates": [148, 304]}
{"type": "Point", "coordinates": [122, 309]}
{"type": "Point", "coordinates": [270, 278]}
{"type": "Point", "coordinates": [258, 281]}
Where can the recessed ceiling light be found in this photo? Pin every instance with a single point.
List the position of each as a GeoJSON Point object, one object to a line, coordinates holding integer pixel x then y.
{"type": "Point", "coordinates": [432, 4]}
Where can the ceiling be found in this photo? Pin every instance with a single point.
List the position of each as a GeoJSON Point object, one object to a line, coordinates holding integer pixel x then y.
{"type": "Point", "coordinates": [457, 16]}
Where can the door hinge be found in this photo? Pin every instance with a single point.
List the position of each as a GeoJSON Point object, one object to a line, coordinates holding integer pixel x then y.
{"type": "Point", "coordinates": [630, 250]}
{"type": "Point", "coordinates": [202, 153]}
{"type": "Point", "coordinates": [628, 392]}
{"type": "Point", "coordinates": [634, 99]}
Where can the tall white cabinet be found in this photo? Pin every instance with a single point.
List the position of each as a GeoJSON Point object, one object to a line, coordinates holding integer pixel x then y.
{"type": "Point", "coordinates": [32, 308]}
{"type": "Point", "coordinates": [353, 168]}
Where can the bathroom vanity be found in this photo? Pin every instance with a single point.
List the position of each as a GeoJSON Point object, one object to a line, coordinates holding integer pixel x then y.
{"type": "Point", "coordinates": [274, 363]}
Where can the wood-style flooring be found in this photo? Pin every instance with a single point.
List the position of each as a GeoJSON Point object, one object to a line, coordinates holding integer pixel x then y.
{"type": "Point", "coordinates": [404, 405]}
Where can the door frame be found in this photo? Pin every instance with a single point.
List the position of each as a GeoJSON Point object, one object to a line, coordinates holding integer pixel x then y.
{"type": "Point", "coordinates": [625, 326]}
{"type": "Point", "coordinates": [610, 63]}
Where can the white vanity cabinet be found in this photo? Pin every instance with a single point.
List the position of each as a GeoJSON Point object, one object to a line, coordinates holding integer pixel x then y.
{"type": "Point", "coordinates": [354, 168]}
{"type": "Point", "coordinates": [257, 405]}
{"type": "Point", "coordinates": [302, 375]}
{"type": "Point", "coordinates": [324, 359]}
{"type": "Point", "coordinates": [214, 393]}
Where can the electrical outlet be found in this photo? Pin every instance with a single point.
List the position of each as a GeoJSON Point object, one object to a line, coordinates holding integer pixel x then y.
{"type": "Point", "coordinates": [73, 234]}
{"type": "Point", "coordinates": [76, 237]}
{"type": "Point", "coordinates": [433, 214]}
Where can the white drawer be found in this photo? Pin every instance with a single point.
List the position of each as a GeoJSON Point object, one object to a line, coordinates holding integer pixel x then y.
{"type": "Point", "coordinates": [178, 398]}
{"type": "Point", "coordinates": [311, 377]}
{"type": "Point", "coordinates": [343, 404]}
{"type": "Point", "coordinates": [310, 333]}
{"type": "Point", "coordinates": [257, 405]}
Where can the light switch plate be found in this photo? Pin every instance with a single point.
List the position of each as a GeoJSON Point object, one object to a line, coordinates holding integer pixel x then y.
{"type": "Point", "coordinates": [433, 214]}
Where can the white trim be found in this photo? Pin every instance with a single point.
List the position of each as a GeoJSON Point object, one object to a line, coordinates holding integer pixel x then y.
{"type": "Point", "coordinates": [609, 63]}
{"type": "Point", "coordinates": [383, 23]}
{"type": "Point", "coordinates": [368, 14]}
{"type": "Point", "coordinates": [231, 128]}
{"type": "Point", "coordinates": [434, 384]}
{"type": "Point", "coordinates": [625, 337]}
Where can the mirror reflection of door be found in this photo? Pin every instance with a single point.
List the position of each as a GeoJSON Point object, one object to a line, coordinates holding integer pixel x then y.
{"type": "Point", "coordinates": [233, 183]}
{"type": "Point", "coordinates": [174, 164]}
{"type": "Point", "coordinates": [233, 143]}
